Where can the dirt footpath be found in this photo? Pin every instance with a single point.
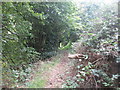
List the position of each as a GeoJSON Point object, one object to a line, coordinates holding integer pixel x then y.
{"type": "Point", "coordinates": [58, 74]}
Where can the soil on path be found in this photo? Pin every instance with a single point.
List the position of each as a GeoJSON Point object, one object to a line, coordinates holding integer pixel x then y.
{"type": "Point", "coordinates": [58, 74]}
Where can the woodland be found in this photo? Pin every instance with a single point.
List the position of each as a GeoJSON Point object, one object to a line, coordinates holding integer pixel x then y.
{"type": "Point", "coordinates": [60, 45]}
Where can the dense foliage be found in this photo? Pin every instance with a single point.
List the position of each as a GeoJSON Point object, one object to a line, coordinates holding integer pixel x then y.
{"type": "Point", "coordinates": [33, 31]}
{"type": "Point", "coordinates": [53, 26]}
{"type": "Point", "coordinates": [98, 40]}
{"type": "Point", "coordinates": [16, 54]}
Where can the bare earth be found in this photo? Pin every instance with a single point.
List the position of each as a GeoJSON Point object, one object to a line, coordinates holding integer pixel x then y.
{"type": "Point", "coordinates": [58, 74]}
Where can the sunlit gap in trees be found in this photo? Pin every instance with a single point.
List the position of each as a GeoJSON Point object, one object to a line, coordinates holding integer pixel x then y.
{"type": "Point", "coordinates": [96, 1]}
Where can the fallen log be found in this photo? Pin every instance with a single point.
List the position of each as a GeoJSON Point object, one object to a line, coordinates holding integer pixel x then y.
{"type": "Point", "coordinates": [76, 56]}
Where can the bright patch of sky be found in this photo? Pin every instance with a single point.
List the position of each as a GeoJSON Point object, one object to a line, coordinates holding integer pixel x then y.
{"type": "Point", "coordinates": [97, 1]}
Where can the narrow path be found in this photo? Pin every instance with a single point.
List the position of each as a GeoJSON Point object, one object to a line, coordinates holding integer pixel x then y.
{"type": "Point", "coordinates": [58, 74]}
{"type": "Point", "coordinates": [54, 76]}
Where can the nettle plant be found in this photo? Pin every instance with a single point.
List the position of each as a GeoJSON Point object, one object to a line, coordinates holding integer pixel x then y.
{"type": "Point", "coordinates": [86, 73]}
{"type": "Point", "coordinates": [104, 78]}
{"type": "Point", "coordinates": [81, 76]}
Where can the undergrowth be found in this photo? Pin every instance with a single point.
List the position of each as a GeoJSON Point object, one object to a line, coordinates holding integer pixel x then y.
{"type": "Point", "coordinates": [87, 74]}
{"type": "Point", "coordinates": [95, 72]}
